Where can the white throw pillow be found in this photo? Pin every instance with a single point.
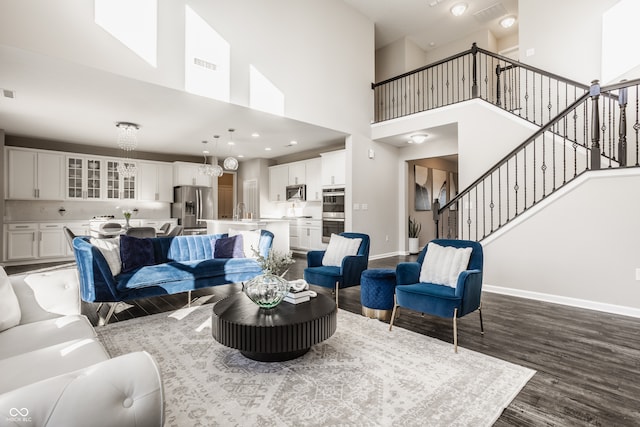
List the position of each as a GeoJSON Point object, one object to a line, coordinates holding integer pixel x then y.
{"type": "Point", "coordinates": [443, 264]}
{"type": "Point", "coordinates": [9, 307]}
{"type": "Point", "coordinates": [110, 249]}
{"type": "Point", "coordinates": [250, 239]}
{"type": "Point", "coordinates": [340, 247]}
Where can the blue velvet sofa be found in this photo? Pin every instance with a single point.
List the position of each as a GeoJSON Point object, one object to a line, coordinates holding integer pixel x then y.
{"type": "Point", "coordinates": [182, 263]}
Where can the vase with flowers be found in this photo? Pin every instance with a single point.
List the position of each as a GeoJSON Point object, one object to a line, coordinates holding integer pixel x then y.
{"type": "Point", "coordinates": [127, 216]}
{"type": "Point", "coordinates": [269, 289]}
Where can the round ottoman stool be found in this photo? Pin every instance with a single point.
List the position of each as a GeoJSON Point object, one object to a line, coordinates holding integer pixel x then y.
{"type": "Point", "coordinates": [377, 290]}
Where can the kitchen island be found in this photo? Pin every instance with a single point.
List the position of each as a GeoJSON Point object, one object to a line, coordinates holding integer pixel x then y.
{"type": "Point", "coordinates": [279, 228]}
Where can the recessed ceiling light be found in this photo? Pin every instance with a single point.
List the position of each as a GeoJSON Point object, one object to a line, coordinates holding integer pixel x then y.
{"type": "Point", "coordinates": [418, 138]}
{"type": "Point", "coordinates": [267, 149]}
{"type": "Point", "coordinates": [458, 9]}
{"type": "Point", "coordinates": [293, 142]}
{"type": "Point", "coordinates": [432, 44]}
{"type": "Point", "coordinates": [508, 21]}
{"type": "Point", "coordinates": [241, 155]}
{"type": "Point", "coordinates": [231, 143]}
{"type": "Point", "coordinates": [255, 135]}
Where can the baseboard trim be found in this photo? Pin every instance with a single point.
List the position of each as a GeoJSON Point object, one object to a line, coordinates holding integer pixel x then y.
{"type": "Point", "coordinates": [387, 255]}
{"type": "Point", "coordinates": [557, 299]}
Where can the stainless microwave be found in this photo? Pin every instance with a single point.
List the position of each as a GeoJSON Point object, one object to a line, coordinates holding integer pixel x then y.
{"type": "Point", "coordinates": [297, 192]}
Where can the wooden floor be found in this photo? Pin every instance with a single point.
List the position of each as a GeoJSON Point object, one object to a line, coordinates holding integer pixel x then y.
{"type": "Point", "coordinates": [587, 362]}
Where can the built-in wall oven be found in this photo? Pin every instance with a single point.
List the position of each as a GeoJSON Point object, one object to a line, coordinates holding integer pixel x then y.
{"type": "Point", "coordinates": [332, 212]}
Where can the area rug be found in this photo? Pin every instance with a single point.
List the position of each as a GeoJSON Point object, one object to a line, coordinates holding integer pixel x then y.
{"type": "Point", "coordinates": [363, 375]}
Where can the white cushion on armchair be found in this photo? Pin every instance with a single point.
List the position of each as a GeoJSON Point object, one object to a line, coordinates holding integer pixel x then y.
{"type": "Point", "coordinates": [125, 391]}
{"type": "Point", "coordinates": [9, 305]}
{"type": "Point", "coordinates": [443, 264]}
{"type": "Point", "coordinates": [47, 295]}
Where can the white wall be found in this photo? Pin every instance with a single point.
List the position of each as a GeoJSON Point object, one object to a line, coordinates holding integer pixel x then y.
{"type": "Point", "coordinates": [484, 39]}
{"type": "Point", "coordinates": [485, 134]}
{"type": "Point", "coordinates": [566, 36]}
{"type": "Point", "coordinates": [374, 183]}
{"type": "Point", "coordinates": [320, 54]}
{"type": "Point", "coordinates": [579, 247]}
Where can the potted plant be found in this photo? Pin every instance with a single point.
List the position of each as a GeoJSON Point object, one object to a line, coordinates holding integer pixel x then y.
{"type": "Point", "coordinates": [414, 234]}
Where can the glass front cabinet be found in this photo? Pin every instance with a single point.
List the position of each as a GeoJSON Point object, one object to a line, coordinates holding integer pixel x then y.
{"type": "Point", "coordinates": [118, 186]}
{"type": "Point", "coordinates": [85, 178]}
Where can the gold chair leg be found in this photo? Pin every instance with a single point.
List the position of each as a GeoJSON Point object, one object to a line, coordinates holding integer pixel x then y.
{"type": "Point", "coordinates": [393, 313]}
{"type": "Point", "coordinates": [481, 325]}
{"type": "Point", "coordinates": [337, 287]}
{"type": "Point", "coordinates": [455, 330]}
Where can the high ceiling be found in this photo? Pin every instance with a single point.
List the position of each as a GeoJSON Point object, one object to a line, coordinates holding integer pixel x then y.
{"type": "Point", "coordinates": [60, 100]}
{"type": "Point", "coordinates": [430, 24]}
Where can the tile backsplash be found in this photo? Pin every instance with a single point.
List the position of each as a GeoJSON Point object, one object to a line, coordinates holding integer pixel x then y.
{"type": "Point", "coordinates": [33, 210]}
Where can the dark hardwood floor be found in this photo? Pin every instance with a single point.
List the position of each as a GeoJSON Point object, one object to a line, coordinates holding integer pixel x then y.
{"type": "Point", "coordinates": [587, 362]}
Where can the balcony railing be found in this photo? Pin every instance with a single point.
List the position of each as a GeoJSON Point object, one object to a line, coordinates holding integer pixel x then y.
{"type": "Point", "coordinates": [528, 92]}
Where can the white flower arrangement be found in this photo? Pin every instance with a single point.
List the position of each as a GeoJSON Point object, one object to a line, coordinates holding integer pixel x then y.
{"type": "Point", "coordinates": [276, 262]}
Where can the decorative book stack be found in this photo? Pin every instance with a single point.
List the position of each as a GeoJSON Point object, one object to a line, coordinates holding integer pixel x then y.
{"type": "Point", "coordinates": [296, 297]}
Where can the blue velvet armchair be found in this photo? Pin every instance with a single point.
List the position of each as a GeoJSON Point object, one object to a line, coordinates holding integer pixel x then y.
{"type": "Point", "coordinates": [348, 274]}
{"type": "Point", "coordinates": [437, 299]}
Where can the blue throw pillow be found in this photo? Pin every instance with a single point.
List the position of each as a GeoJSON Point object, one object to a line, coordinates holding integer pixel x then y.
{"type": "Point", "coordinates": [136, 252]}
{"type": "Point", "coordinates": [228, 247]}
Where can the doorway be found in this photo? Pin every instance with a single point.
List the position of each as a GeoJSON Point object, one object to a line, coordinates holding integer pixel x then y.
{"type": "Point", "coordinates": [226, 195]}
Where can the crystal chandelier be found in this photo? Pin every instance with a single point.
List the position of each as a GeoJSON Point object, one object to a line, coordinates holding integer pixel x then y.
{"type": "Point", "coordinates": [206, 168]}
{"type": "Point", "coordinates": [231, 163]}
{"type": "Point", "coordinates": [127, 135]}
{"type": "Point", "coordinates": [127, 141]}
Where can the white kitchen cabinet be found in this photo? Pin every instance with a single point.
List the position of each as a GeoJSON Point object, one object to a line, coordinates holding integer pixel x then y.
{"type": "Point", "coordinates": [305, 234]}
{"type": "Point", "coordinates": [334, 168]}
{"type": "Point", "coordinates": [21, 242]}
{"type": "Point", "coordinates": [314, 180]}
{"type": "Point", "coordinates": [34, 175]}
{"type": "Point", "coordinates": [155, 181]}
{"type": "Point", "coordinates": [118, 186]}
{"type": "Point", "coordinates": [84, 178]}
{"type": "Point", "coordinates": [297, 173]}
{"type": "Point", "coordinates": [189, 174]}
{"type": "Point", "coordinates": [51, 241]}
{"type": "Point", "coordinates": [278, 181]}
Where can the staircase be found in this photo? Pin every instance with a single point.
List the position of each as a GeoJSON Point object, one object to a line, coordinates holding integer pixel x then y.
{"type": "Point", "coordinates": [582, 129]}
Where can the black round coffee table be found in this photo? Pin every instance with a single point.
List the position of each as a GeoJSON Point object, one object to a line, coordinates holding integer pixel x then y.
{"type": "Point", "coordinates": [281, 333]}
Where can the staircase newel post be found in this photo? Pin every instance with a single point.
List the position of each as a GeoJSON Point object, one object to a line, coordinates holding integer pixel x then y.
{"type": "Point", "coordinates": [474, 87]}
{"type": "Point", "coordinates": [622, 132]}
{"type": "Point", "coordinates": [594, 92]}
{"type": "Point", "coordinates": [435, 209]}
{"type": "Point", "coordinates": [498, 85]}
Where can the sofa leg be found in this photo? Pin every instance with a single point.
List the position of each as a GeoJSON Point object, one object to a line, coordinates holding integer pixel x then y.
{"type": "Point", "coordinates": [99, 307]}
{"type": "Point", "coordinates": [455, 330]}
{"type": "Point", "coordinates": [188, 298]}
{"type": "Point", "coordinates": [481, 325]}
{"type": "Point", "coordinates": [393, 313]}
{"type": "Point", "coordinates": [112, 308]}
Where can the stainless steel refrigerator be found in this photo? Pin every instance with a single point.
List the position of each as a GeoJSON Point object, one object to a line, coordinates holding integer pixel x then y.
{"type": "Point", "coordinates": [191, 203]}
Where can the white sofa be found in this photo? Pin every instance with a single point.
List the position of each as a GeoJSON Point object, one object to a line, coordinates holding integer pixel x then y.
{"type": "Point", "coordinates": [53, 369]}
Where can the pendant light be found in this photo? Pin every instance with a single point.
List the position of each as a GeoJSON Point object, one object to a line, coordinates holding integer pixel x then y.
{"type": "Point", "coordinates": [231, 163]}
{"type": "Point", "coordinates": [209, 169]}
{"type": "Point", "coordinates": [127, 141]}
